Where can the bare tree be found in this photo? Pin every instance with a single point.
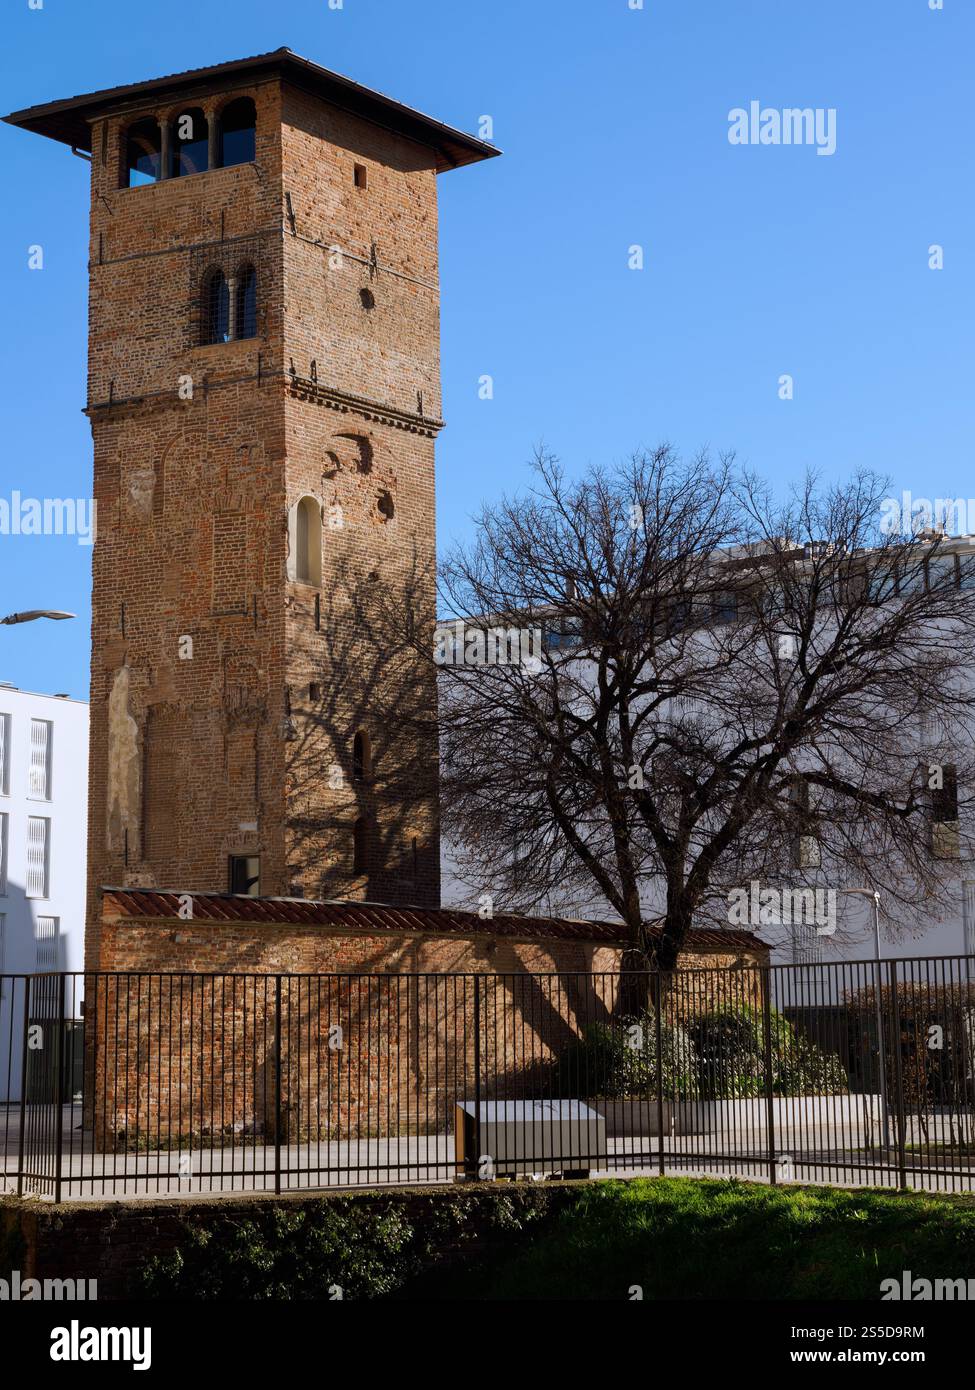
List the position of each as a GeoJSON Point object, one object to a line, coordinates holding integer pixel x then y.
{"type": "Point", "coordinates": [731, 692]}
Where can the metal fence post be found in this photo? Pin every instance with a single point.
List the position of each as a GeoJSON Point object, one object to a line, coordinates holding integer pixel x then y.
{"type": "Point", "coordinates": [58, 1086]}
{"type": "Point", "coordinates": [477, 1076]}
{"type": "Point", "coordinates": [277, 1085]}
{"type": "Point", "coordinates": [23, 1085]}
{"type": "Point", "coordinates": [660, 1073]}
{"type": "Point", "coordinates": [769, 1093]}
{"type": "Point", "coordinates": [901, 1110]}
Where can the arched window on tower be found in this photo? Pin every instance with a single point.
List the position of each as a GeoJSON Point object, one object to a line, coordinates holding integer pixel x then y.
{"type": "Point", "coordinates": [361, 757]}
{"type": "Point", "coordinates": [306, 542]}
{"type": "Point", "coordinates": [191, 143]}
{"type": "Point", "coordinates": [237, 132]}
{"type": "Point", "coordinates": [247, 302]}
{"type": "Point", "coordinates": [360, 846]}
{"type": "Point", "coordinates": [143, 153]}
{"type": "Point", "coordinates": [216, 308]}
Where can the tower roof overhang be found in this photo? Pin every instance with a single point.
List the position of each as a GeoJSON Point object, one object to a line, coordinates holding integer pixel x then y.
{"type": "Point", "coordinates": [69, 120]}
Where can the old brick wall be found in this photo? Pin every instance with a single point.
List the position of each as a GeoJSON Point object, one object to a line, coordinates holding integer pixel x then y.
{"type": "Point", "coordinates": [194, 495]}
{"type": "Point", "coordinates": [191, 540]}
{"type": "Point", "coordinates": [362, 296]}
{"type": "Point", "coordinates": [368, 1035]}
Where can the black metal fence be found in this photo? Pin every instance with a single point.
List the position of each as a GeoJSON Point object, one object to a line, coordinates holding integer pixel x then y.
{"type": "Point", "coordinates": [145, 1084]}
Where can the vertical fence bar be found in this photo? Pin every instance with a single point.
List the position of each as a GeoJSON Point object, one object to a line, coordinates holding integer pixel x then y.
{"type": "Point", "coordinates": [277, 1085]}
{"type": "Point", "coordinates": [23, 1087]}
{"type": "Point", "coordinates": [58, 1083]}
{"type": "Point", "coordinates": [477, 1075]}
{"type": "Point", "coordinates": [769, 1092]}
{"type": "Point", "coordinates": [901, 1109]}
{"type": "Point", "coordinates": [658, 996]}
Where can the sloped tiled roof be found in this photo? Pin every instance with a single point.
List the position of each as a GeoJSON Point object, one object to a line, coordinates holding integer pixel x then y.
{"type": "Point", "coordinates": [67, 119]}
{"type": "Point", "coordinates": [364, 918]}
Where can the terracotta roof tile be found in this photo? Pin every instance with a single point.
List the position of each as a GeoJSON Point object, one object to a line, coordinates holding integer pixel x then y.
{"type": "Point", "coordinates": [139, 904]}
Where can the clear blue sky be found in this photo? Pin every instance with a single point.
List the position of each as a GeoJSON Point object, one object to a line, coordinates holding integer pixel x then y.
{"type": "Point", "coordinates": [614, 122]}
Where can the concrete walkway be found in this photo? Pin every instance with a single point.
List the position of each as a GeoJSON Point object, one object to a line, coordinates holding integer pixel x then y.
{"type": "Point", "coordinates": [430, 1159]}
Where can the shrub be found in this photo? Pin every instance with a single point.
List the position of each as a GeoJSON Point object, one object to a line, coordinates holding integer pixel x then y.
{"type": "Point", "coordinates": [350, 1247]}
{"type": "Point", "coordinates": [618, 1060]}
{"type": "Point", "coordinates": [730, 1047]}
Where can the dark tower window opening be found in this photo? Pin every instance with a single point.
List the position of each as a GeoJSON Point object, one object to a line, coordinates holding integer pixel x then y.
{"type": "Point", "coordinates": [245, 875]}
{"type": "Point", "coordinates": [216, 308]}
{"type": "Point", "coordinates": [361, 757]}
{"type": "Point", "coordinates": [143, 153]}
{"type": "Point", "coordinates": [368, 299]}
{"type": "Point", "coordinates": [238, 123]}
{"type": "Point", "coordinates": [191, 143]}
{"type": "Point", "coordinates": [361, 176]}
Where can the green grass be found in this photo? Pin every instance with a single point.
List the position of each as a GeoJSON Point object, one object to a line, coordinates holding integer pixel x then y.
{"type": "Point", "coordinates": [687, 1239]}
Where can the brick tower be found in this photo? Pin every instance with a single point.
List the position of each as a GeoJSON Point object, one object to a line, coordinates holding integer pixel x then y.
{"type": "Point", "coordinates": [264, 397]}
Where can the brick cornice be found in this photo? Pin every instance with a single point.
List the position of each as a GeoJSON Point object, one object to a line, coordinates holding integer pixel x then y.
{"type": "Point", "coordinates": [304, 389]}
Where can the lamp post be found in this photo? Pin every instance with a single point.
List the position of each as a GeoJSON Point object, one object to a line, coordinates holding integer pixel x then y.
{"type": "Point", "coordinates": [33, 613]}
{"type": "Point", "coordinates": [881, 1049]}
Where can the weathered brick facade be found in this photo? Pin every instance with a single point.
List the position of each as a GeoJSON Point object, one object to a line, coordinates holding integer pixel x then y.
{"type": "Point", "coordinates": [224, 1023]}
{"type": "Point", "coordinates": [225, 691]}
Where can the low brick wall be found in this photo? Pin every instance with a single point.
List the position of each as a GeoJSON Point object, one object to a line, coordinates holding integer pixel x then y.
{"type": "Point", "coordinates": [361, 1037]}
{"type": "Point", "coordinates": [111, 1242]}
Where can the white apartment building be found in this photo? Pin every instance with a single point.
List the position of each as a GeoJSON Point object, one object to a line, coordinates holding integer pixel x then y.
{"type": "Point", "coordinates": [940, 929]}
{"type": "Point", "coordinates": [43, 841]}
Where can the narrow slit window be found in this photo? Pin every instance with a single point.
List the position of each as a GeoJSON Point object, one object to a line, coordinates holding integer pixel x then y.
{"type": "Point", "coordinates": [361, 757]}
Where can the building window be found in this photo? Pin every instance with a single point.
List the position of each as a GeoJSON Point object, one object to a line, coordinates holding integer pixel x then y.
{"type": "Point", "coordinates": [143, 153]}
{"type": "Point", "coordinates": [246, 324]}
{"type": "Point", "coordinates": [4, 834]}
{"type": "Point", "coordinates": [945, 841]}
{"type": "Point", "coordinates": [245, 875]}
{"type": "Point", "coordinates": [307, 541]}
{"type": "Point", "coordinates": [216, 308]}
{"type": "Point", "coordinates": [360, 846]}
{"type": "Point", "coordinates": [4, 754]}
{"type": "Point", "coordinates": [191, 143]}
{"type": "Point", "coordinates": [725, 608]}
{"type": "Point", "coordinates": [361, 757]}
{"type": "Point", "coordinates": [41, 738]}
{"type": "Point", "coordinates": [942, 573]}
{"type": "Point", "coordinates": [38, 857]}
{"type": "Point", "coordinates": [360, 176]}
{"type": "Point", "coordinates": [806, 849]}
{"type": "Point", "coordinates": [237, 127]}
{"type": "Point", "coordinates": [47, 937]}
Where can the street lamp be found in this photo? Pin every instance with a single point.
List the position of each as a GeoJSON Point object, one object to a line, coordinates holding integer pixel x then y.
{"type": "Point", "coordinates": [881, 1050]}
{"type": "Point", "coordinates": [34, 613]}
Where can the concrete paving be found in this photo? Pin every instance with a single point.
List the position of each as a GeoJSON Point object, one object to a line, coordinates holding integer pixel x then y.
{"type": "Point", "coordinates": [425, 1159]}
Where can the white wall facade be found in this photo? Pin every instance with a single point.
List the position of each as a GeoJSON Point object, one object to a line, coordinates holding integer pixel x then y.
{"type": "Point", "coordinates": [43, 843]}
